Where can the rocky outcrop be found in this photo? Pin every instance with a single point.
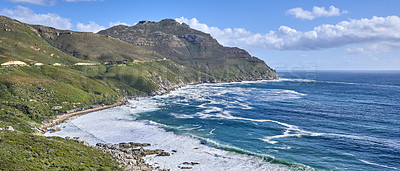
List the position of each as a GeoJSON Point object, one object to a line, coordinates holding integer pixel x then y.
{"type": "Point", "coordinates": [8, 128]}
{"type": "Point", "coordinates": [130, 155]}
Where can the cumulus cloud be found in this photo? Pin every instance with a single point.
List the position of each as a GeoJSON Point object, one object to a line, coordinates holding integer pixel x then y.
{"type": "Point", "coordinates": [26, 15]}
{"type": "Point", "coordinates": [224, 36]}
{"type": "Point", "coordinates": [362, 31]}
{"type": "Point", "coordinates": [94, 27]}
{"type": "Point", "coordinates": [111, 24]}
{"type": "Point", "coordinates": [91, 27]}
{"type": "Point", "coordinates": [37, 2]}
{"type": "Point", "coordinates": [316, 12]}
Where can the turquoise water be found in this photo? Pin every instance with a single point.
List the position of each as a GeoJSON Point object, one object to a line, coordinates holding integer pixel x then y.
{"type": "Point", "coordinates": [325, 120]}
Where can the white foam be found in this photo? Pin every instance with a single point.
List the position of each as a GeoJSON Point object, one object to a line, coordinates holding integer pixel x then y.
{"type": "Point", "coordinates": [289, 131]}
{"type": "Point", "coordinates": [116, 125]}
{"type": "Point", "coordinates": [181, 116]}
{"type": "Point", "coordinates": [211, 132]}
{"type": "Point", "coordinates": [206, 93]}
{"type": "Point", "coordinates": [296, 80]}
{"type": "Point", "coordinates": [380, 165]}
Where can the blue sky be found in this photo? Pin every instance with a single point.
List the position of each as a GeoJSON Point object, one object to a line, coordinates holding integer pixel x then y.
{"type": "Point", "coordinates": [291, 34]}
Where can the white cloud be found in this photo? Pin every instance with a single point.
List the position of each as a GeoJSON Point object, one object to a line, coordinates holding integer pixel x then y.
{"type": "Point", "coordinates": [48, 2]}
{"type": "Point", "coordinates": [362, 31]}
{"type": "Point", "coordinates": [316, 12]}
{"type": "Point", "coordinates": [374, 48]}
{"type": "Point", "coordinates": [81, 0]}
{"type": "Point", "coordinates": [117, 23]}
{"type": "Point", "coordinates": [91, 27]}
{"type": "Point", "coordinates": [224, 36]}
{"type": "Point", "coordinates": [26, 15]}
{"type": "Point", "coordinates": [37, 2]}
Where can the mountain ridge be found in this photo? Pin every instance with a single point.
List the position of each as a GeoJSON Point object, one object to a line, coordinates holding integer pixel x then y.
{"type": "Point", "coordinates": [191, 48]}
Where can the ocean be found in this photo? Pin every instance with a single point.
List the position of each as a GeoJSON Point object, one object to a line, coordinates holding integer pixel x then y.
{"type": "Point", "coordinates": [323, 120]}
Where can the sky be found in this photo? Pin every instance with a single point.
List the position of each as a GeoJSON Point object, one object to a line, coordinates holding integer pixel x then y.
{"type": "Point", "coordinates": [287, 34]}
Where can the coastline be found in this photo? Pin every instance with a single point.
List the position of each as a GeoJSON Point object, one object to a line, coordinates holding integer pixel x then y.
{"type": "Point", "coordinates": [193, 150]}
{"type": "Point", "coordinates": [43, 128]}
{"type": "Point", "coordinates": [140, 160]}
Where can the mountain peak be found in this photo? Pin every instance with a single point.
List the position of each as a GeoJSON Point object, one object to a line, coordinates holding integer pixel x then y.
{"type": "Point", "coordinates": [169, 22]}
{"type": "Point", "coordinates": [192, 48]}
{"type": "Point", "coordinates": [145, 22]}
{"type": "Point", "coordinates": [164, 22]}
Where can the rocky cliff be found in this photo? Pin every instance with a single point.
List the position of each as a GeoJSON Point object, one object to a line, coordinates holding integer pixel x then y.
{"type": "Point", "coordinates": [193, 48]}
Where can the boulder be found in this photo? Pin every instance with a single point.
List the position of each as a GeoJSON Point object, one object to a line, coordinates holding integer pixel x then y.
{"type": "Point", "coordinates": [85, 143]}
{"type": "Point", "coordinates": [125, 145]}
{"type": "Point", "coordinates": [146, 144]}
{"type": "Point", "coordinates": [9, 128]}
{"type": "Point", "coordinates": [185, 167]}
{"type": "Point", "coordinates": [108, 145]}
{"type": "Point", "coordinates": [163, 154]}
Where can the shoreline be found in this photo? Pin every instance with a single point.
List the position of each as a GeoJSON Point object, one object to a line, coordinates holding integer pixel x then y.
{"type": "Point", "coordinates": [134, 161]}
{"type": "Point", "coordinates": [43, 128]}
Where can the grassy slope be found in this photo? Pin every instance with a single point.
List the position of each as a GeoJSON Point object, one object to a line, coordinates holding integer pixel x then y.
{"type": "Point", "coordinates": [22, 42]}
{"type": "Point", "coordinates": [27, 94]}
{"type": "Point", "coordinates": [22, 151]}
{"type": "Point", "coordinates": [94, 47]}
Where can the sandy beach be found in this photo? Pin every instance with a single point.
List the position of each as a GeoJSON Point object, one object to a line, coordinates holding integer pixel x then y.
{"type": "Point", "coordinates": [61, 118]}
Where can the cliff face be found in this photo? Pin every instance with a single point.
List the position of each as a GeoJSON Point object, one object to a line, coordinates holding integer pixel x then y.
{"type": "Point", "coordinates": [194, 49]}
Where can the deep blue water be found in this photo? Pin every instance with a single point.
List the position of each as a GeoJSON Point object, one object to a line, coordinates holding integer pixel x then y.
{"type": "Point", "coordinates": [326, 120]}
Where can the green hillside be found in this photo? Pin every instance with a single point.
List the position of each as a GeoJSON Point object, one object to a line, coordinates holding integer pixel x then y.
{"type": "Point", "coordinates": [22, 151]}
{"type": "Point", "coordinates": [19, 41]}
{"type": "Point", "coordinates": [94, 47]}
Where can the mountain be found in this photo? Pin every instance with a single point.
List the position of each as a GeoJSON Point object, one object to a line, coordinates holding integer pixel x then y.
{"type": "Point", "coordinates": [62, 70]}
{"type": "Point", "coordinates": [194, 49]}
